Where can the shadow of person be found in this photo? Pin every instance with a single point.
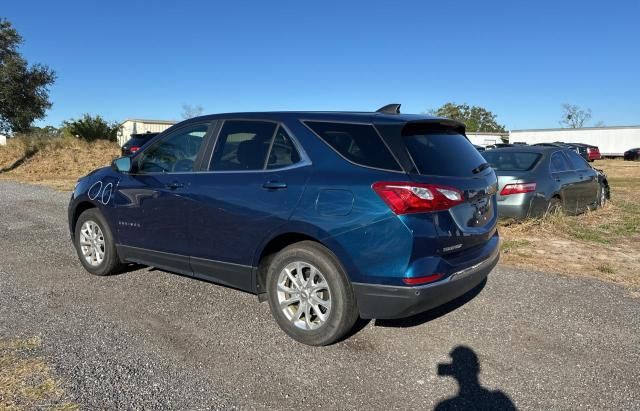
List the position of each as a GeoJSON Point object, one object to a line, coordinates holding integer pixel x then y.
{"type": "Point", "coordinates": [465, 368]}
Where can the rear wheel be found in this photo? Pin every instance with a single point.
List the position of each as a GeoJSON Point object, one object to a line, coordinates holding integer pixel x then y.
{"type": "Point", "coordinates": [95, 244]}
{"type": "Point", "coordinates": [555, 206]}
{"type": "Point", "coordinates": [309, 294]}
{"type": "Point", "coordinates": [602, 196]}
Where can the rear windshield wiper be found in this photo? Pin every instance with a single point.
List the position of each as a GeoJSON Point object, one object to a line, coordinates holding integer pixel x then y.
{"type": "Point", "coordinates": [481, 167]}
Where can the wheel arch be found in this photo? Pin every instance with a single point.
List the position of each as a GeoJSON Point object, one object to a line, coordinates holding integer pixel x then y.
{"type": "Point", "coordinates": [283, 239]}
{"type": "Point", "coordinates": [80, 208]}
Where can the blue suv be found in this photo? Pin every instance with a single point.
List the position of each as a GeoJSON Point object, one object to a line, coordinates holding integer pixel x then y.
{"type": "Point", "coordinates": [329, 216]}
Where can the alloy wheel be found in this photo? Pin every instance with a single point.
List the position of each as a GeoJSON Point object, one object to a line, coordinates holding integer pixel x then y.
{"type": "Point", "coordinates": [304, 295]}
{"type": "Point", "coordinates": [92, 244]}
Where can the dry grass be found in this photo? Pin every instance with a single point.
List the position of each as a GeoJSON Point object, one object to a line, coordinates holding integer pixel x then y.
{"type": "Point", "coordinates": [26, 381]}
{"type": "Point", "coordinates": [58, 162]}
{"type": "Point", "coordinates": [604, 243]}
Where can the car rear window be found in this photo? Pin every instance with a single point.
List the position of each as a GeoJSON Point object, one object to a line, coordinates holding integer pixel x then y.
{"type": "Point", "coordinates": [358, 143]}
{"type": "Point", "coordinates": [136, 142]}
{"type": "Point", "coordinates": [511, 161]}
{"type": "Point", "coordinates": [443, 154]}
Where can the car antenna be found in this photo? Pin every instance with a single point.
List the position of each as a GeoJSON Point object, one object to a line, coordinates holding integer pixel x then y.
{"type": "Point", "coordinates": [393, 108]}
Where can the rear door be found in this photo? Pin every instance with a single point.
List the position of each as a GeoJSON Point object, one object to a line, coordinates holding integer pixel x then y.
{"type": "Point", "coordinates": [446, 157]}
{"type": "Point", "coordinates": [255, 176]}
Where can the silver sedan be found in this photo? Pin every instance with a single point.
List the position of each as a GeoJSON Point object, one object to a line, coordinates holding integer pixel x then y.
{"type": "Point", "coordinates": [533, 180]}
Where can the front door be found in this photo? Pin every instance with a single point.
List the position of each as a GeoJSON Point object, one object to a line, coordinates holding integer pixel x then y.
{"type": "Point", "coordinates": [256, 176]}
{"type": "Point", "coordinates": [153, 203]}
{"type": "Point", "coordinates": [587, 181]}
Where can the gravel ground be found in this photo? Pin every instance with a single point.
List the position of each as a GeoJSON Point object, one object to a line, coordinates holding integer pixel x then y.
{"type": "Point", "coordinates": [150, 339]}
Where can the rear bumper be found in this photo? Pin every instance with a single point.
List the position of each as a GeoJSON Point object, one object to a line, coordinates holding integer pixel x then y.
{"type": "Point", "coordinates": [534, 206]}
{"type": "Point", "coordinates": [388, 302]}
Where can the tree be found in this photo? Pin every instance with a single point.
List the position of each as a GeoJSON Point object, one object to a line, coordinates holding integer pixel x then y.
{"type": "Point", "coordinates": [475, 118]}
{"type": "Point", "coordinates": [49, 131]}
{"type": "Point", "coordinates": [91, 128]}
{"type": "Point", "coordinates": [574, 117]}
{"type": "Point", "coordinates": [189, 111]}
{"type": "Point", "coordinates": [24, 89]}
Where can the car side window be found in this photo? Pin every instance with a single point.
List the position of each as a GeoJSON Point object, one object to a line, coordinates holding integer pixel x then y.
{"type": "Point", "coordinates": [358, 143]}
{"type": "Point", "coordinates": [283, 152]}
{"type": "Point", "coordinates": [558, 163]}
{"type": "Point", "coordinates": [242, 145]}
{"type": "Point", "coordinates": [176, 153]}
{"type": "Point", "coordinates": [576, 160]}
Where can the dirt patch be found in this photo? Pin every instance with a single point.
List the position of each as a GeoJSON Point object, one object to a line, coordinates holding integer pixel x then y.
{"type": "Point", "coordinates": [58, 162]}
{"type": "Point", "coordinates": [26, 381]}
{"type": "Point", "coordinates": [604, 243]}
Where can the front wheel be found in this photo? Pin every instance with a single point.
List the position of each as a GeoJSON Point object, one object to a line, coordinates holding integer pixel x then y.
{"type": "Point", "coordinates": [95, 244]}
{"type": "Point", "coordinates": [310, 295]}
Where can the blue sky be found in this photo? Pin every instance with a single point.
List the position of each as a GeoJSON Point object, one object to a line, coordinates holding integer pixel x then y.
{"type": "Point", "coordinates": [519, 59]}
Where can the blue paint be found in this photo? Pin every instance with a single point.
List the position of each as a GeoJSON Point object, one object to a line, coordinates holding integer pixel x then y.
{"type": "Point", "coordinates": [231, 217]}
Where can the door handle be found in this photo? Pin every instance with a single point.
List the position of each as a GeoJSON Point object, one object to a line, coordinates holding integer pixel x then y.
{"type": "Point", "coordinates": [274, 185]}
{"type": "Point", "coordinates": [174, 185]}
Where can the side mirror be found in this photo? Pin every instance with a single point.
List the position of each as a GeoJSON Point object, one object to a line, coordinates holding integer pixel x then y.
{"type": "Point", "coordinates": [122, 164]}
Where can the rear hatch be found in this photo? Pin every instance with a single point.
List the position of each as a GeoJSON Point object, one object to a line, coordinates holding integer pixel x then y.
{"type": "Point", "coordinates": [444, 157]}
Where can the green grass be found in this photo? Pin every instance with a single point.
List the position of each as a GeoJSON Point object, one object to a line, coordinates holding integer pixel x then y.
{"type": "Point", "coordinates": [511, 245]}
{"type": "Point", "coordinates": [606, 268]}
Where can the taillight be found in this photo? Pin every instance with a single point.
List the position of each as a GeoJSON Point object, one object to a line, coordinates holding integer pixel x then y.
{"type": "Point", "coordinates": [133, 149]}
{"type": "Point", "coordinates": [518, 188]}
{"type": "Point", "coordinates": [406, 198]}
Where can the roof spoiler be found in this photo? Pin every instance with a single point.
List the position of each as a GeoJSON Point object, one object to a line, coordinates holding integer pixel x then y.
{"type": "Point", "coordinates": [432, 125]}
{"type": "Point", "coordinates": [393, 108]}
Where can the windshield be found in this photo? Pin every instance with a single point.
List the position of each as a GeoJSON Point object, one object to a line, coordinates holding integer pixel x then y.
{"type": "Point", "coordinates": [511, 160]}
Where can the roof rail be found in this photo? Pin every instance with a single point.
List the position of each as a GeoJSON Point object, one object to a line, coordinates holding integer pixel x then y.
{"type": "Point", "coordinates": [393, 108]}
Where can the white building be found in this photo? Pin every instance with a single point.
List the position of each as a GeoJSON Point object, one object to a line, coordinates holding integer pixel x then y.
{"type": "Point", "coordinates": [487, 139]}
{"type": "Point", "coordinates": [3, 140]}
{"type": "Point", "coordinates": [138, 126]}
{"type": "Point", "coordinates": [612, 141]}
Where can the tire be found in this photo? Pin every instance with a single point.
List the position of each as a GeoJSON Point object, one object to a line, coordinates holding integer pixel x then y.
{"type": "Point", "coordinates": [602, 196]}
{"type": "Point", "coordinates": [555, 206]}
{"type": "Point", "coordinates": [302, 320]}
{"type": "Point", "coordinates": [85, 228]}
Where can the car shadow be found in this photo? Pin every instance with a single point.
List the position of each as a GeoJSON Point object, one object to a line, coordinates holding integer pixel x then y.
{"type": "Point", "coordinates": [129, 267]}
{"type": "Point", "coordinates": [434, 313]}
{"type": "Point", "coordinates": [465, 368]}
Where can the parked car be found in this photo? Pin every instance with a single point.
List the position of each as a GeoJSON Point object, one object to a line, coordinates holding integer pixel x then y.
{"type": "Point", "coordinates": [498, 145]}
{"type": "Point", "coordinates": [536, 179]}
{"type": "Point", "coordinates": [479, 148]}
{"type": "Point", "coordinates": [593, 152]}
{"type": "Point", "coordinates": [633, 154]}
{"type": "Point", "coordinates": [327, 216]}
{"type": "Point", "coordinates": [588, 152]}
{"type": "Point", "coordinates": [136, 142]}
